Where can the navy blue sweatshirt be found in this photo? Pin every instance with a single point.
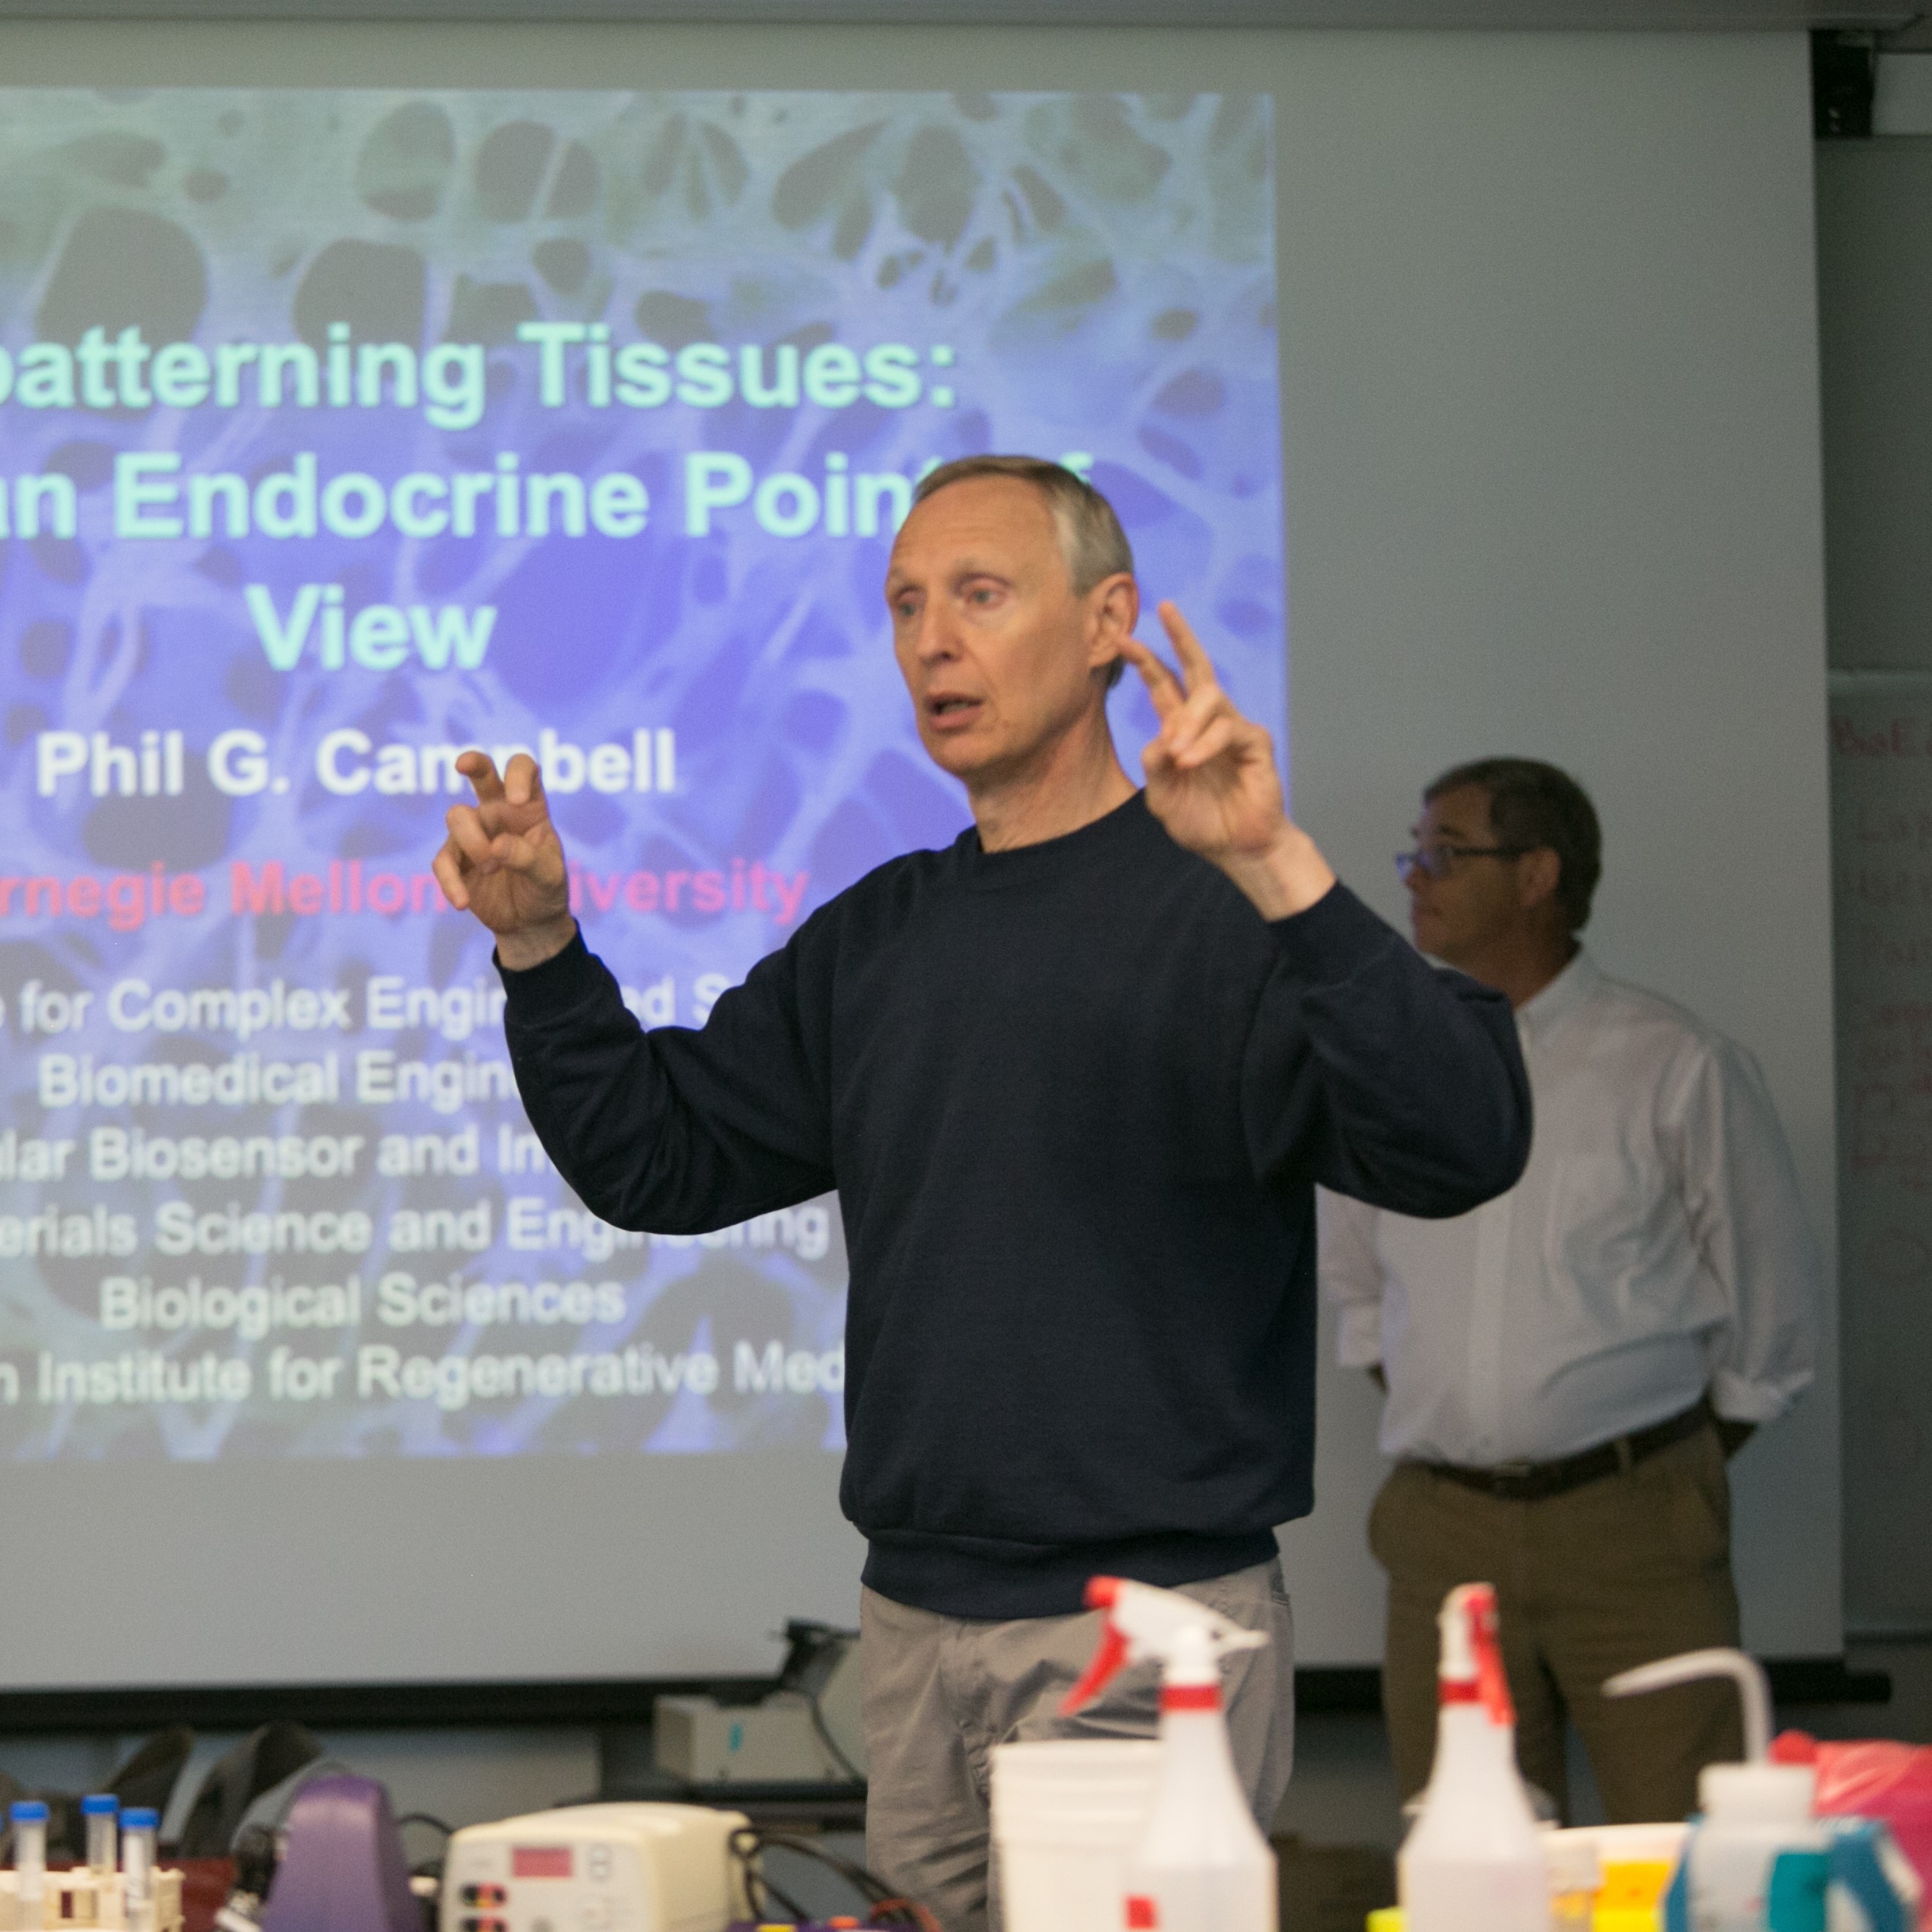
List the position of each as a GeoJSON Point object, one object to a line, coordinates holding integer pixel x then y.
{"type": "Point", "coordinates": [1074, 1098]}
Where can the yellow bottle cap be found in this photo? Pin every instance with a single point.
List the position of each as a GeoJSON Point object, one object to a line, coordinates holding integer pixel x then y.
{"type": "Point", "coordinates": [1388, 1919]}
{"type": "Point", "coordinates": [1632, 1883]}
{"type": "Point", "coordinates": [1627, 1918]}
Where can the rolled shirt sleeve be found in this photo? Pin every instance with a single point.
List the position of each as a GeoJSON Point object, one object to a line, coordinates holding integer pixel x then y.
{"type": "Point", "coordinates": [1741, 1197]}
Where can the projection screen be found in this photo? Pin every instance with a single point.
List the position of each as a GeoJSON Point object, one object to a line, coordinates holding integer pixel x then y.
{"type": "Point", "coordinates": [371, 393]}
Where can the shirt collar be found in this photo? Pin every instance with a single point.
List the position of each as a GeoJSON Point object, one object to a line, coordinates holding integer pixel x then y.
{"type": "Point", "coordinates": [1561, 998]}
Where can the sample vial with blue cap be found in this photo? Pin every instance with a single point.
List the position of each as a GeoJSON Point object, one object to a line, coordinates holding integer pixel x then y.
{"type": "Point", "coordinates": [139, 1828]}
{"type": "Point", "coordinates": [30, 1858]}
{"type": "Point", "coordinates": [101, 1809]}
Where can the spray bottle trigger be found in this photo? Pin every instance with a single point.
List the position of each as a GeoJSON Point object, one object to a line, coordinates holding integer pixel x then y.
{"type": "Point", "coordinates": [1491, 1678]}
{"type": "Point", "coordinates": [1112, 1653]}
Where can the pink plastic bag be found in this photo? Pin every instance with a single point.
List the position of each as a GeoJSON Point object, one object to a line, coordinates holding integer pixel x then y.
{"type": "Point", "coordinates": [1890, 1782]}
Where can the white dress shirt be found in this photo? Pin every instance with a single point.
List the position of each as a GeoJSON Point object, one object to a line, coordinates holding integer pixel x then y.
{"type": "Point", "coordinates": [1654, 1248]}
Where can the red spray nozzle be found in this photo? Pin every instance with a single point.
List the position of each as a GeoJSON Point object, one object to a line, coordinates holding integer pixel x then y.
{"type": "Point", "coordinates": [1145, 1623]}
{"type": "Point", "coordinates": [1113, 1652]}
{"type": "Point", "coordinates": [1472, 1657]}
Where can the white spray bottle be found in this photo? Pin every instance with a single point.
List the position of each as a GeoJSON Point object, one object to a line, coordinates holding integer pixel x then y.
{"type": "Point", "coordinates": [1201, 1864]}
{"type": "Point", "coordinates": [1474, 1861]}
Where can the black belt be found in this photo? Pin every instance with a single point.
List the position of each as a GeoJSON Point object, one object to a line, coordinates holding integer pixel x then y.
{"type": "Point", "coordinates": [1530, 1482]}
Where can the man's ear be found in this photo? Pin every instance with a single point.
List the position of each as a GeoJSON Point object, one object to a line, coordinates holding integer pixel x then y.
{"type": "Point", "coordinates": [1113, 609]}
{"type": "Point", "coordinates": [1538, 874]}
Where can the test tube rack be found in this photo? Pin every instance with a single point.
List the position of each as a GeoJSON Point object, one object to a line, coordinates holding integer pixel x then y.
{"type": "Point", "coordinates": [85, 1898]}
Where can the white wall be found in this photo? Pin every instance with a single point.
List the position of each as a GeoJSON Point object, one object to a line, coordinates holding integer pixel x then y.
{"type": "Point", "coordinates": [1875, 279]}
{"type": "Point", "coordinates": [1550, 390]}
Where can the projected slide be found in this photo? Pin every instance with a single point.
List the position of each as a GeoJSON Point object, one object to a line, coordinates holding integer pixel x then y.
{"type": "Point", "coordinates": [340, 431]}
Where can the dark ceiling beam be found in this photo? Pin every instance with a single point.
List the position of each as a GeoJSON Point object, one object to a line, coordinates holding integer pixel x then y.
{"type": "Point", "coordinates": [1611, 15]}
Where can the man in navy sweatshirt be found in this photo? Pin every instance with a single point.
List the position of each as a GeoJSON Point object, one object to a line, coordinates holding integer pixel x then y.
{"type": "Point", "coordinates": [1075, 1079]}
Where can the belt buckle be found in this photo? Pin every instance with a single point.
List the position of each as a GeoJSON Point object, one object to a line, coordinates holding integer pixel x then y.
{"type": "Point", "coordinates": [1507, 1476]}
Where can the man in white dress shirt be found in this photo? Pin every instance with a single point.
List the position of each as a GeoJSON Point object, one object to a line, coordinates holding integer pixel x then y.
{"type": "Point", "coordinates": [1567, 1367]}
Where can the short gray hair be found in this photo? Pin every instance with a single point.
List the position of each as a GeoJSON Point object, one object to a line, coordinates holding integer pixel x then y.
{"type": "Point", "coordinates": [1091, 540]}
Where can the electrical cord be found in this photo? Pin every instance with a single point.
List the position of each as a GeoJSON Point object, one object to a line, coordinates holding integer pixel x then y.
{"type": "Point", "coordinates": [432, 1867]}
{"type": "Point", "coordinates": [747, 1847]}
{"type": "Point", "coordinates": [814, 1654]}
{"type": "Point", "coordinates": [896, 1909]}
{"type": "Point", "coordinates": [869, 1887]}
{"type": "Point", "coordinates": [831, 1744]}
{"type": "Point", "coordinates": [883, 1905]}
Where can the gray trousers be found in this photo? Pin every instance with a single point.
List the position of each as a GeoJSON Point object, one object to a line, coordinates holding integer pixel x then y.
{"type": "Point", "coordinates": [940, 1692]}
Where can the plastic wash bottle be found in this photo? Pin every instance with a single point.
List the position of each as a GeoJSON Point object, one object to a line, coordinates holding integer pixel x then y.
{"type": "Point", "coordinates": [1756, 1860]}
{"type": "Point", "coordinates": [1201, 1864]}
{"type": "Point", "coordinates": [1474, 1860]}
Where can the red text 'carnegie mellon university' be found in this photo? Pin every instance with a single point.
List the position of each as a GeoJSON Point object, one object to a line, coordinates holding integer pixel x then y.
{"type": "Point", "coordinates": [127, 901]}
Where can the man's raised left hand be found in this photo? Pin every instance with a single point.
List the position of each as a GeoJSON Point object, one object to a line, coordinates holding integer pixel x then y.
{"type": "Point", "coordinates": [1212, 781]}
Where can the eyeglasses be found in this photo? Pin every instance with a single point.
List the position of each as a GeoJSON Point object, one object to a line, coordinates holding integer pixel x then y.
{"type": "Point", "coordinates": [1437, 862]}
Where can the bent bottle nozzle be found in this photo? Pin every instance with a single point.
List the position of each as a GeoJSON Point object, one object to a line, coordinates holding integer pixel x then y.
{"type": "Point", "coordinates": [1746, 1672]}
{"type": "Point", "coordinates": [1143, 1622]}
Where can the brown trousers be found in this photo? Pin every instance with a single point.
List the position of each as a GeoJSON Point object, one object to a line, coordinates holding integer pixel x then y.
{"type": "Point", "coordinates": [1620, 1572]}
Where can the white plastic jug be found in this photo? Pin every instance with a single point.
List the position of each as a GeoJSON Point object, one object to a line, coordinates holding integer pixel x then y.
{"type": "Point", "coordinates": [1066, 1815]}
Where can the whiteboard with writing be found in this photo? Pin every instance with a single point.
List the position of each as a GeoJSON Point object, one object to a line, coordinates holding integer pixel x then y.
{"type": "Point", "coordinates": [1881, 895]}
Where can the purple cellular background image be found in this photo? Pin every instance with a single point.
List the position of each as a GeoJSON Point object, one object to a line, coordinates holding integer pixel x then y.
{"type": "Point", "coordinates": [339, 431]}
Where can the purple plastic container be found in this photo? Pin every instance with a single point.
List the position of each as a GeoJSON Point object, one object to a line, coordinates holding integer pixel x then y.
{"type": "Point", "coordinates": [342, 1870]}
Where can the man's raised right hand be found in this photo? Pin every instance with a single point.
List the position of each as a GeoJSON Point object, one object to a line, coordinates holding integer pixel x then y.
{"type": "Point", "coordinates": [503, 861]}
